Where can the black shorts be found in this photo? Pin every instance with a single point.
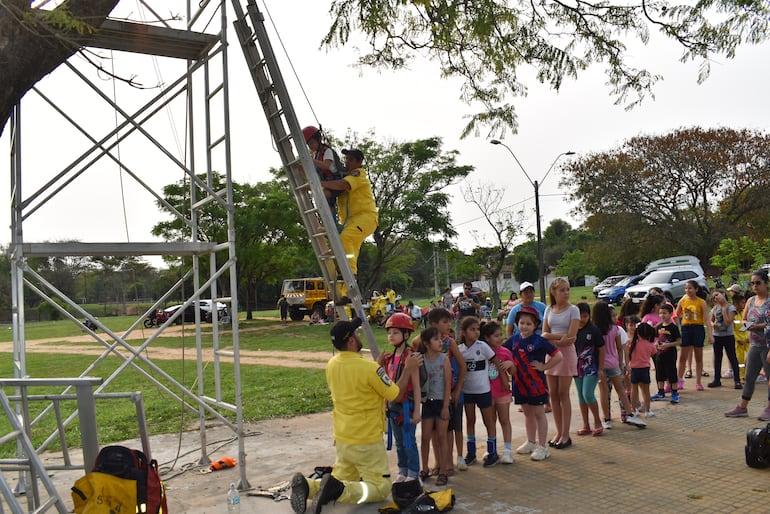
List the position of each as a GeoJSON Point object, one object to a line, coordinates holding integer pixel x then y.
{"type": "Point", "coordinates": [640, 375]}
{"type": "Point", "coordinates": [482, 400]}
{"type": "Point", "coordinates": [531, 400]}
{"type": "Point", "coordinates": [431, 409]}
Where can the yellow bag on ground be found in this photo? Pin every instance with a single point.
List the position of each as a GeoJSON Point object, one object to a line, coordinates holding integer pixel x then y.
{"type": "Point", "coordinates": [102, 493]}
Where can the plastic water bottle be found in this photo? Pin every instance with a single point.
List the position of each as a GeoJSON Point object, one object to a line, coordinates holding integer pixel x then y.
{"type": "Point", "coordinates": [233, 499]}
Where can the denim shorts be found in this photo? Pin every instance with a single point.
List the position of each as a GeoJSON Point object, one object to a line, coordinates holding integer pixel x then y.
{"type": "Point", "coordinates": [612, 372]}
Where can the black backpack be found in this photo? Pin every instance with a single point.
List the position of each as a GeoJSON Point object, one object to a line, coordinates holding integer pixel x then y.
{"type": "Point", "coordinates": [758, 447]}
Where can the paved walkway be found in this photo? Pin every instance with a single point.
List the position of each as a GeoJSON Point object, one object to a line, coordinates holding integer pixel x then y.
{"type": "Point", "coordinates": [690, 459]}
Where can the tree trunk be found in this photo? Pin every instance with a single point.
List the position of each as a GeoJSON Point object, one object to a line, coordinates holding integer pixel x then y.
{"type": "Point", "coordinates": [31, 48]}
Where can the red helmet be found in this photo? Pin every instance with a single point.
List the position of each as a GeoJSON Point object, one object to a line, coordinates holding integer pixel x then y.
{"type": "Point", "coordinates": [309, 132]}
{"type": "Point", "coordinates": [400, 320]}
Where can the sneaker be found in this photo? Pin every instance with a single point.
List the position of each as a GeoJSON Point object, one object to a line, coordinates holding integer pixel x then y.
{"type": "Point", "coordinates": [680, 384]}
{"type": "Point", "coordinates": [658, 397]}
{"type": "Point", "coordinates": [507, 457]}
{"type": "Point", "coordinates": [675, 397]}
{"type": "Point", "coordinates": [649, 414]}
{"type": "Point", "coordinates": [461, 464]}
{"type": "Point", "coordinates": [330, 490]}
{"type": "Point", "coordinates": [738, 385]}
{"type": "Point", "coordinates": [400, 478]}
{"type": "Point", "coordinates": [491, 460]}
{"type": "Point", "coordinates": [761, 379]}
{"type": "Point", "coordinates": [470, 459]}
{"type": "Point", "coordinates": [607, 424]}
{"type": "Point", "coordinates": [526, 448]}
{"type": "Point", "coordinates": [737, 412]}
{"type": "Point", "coordinates": [765, 416]}
{"type": "Point", "coordinates": [699, 387]}
{"type": "Point", "coordinates": [667, 389]}
{"type": "Point", "coordinates": [728, 373]}
{"type": "Point", "coordinates": [636, 421]}
{"type": "Point", "coordinates": [540, 453]}
{"type": "Point", "coordinates": [299, 493]}
{"type": "Point", "coordinates": [714, 383]}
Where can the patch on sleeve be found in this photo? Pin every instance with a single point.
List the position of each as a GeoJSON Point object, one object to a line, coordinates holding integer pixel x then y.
{"type": "Point", "coordinates": [384, 377]}
{"type": "Point", "coordinates": [355, 173]}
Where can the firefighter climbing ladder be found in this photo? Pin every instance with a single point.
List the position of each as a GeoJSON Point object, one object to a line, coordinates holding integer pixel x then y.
{"type": "Point", "coordinates": [284, 127]}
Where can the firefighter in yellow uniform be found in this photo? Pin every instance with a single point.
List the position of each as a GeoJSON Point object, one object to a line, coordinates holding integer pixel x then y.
{"type": "Point", "coordinates": [358, 387]}
{"type": "Point", "coordinates": [356, 209]}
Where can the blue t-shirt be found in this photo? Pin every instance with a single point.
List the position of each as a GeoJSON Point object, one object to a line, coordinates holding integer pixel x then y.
{"type": "Point", "coordinates": [538, 306]}
{"type": "Point", "coordinates": [527, 381]}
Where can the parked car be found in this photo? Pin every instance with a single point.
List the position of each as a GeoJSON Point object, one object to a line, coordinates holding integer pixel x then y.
{"type": "Point", "coordinates": [617, 292]}
{"type": "Point", "coordinates": [607, 282]}
{"type": "Point", "coordinates": [670, 275]}
{"type": "Point", "coordinates": [188, 315]}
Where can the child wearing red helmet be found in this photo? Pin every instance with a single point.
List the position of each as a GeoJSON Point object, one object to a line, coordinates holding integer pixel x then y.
{"type": "Point", "coordinates": [405, 412]}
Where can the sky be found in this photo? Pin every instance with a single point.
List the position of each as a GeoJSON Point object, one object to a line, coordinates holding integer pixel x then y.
{"type": "Point", "coordinates": [103, 204]}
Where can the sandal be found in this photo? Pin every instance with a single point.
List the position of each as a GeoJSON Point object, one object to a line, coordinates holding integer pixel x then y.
{"type": "Point", "coordinates": [434, 472]}
{"type": "Point", "coordinates": [705, 374]}
{"type": "Point", "coordinates": [442, 479]}
{"type": "Point", "coordinates": [584, 431]}
{"type": "Point", "coordinates": [688, 374]}
{"type": "Point", "coordinates": [598, 431]}
{"type": "Point", "coordinates": [424, 475]}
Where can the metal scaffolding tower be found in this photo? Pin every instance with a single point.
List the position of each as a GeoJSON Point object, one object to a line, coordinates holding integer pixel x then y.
{"type": "Point", "coordinates": [199, 48]}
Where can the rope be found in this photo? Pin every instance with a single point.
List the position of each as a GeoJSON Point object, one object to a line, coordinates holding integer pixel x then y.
{"type": "Point", "coordinates": [117, 149]}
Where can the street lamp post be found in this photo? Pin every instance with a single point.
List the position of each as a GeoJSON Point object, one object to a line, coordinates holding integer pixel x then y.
{"type": "Point", "coordinates": [535, 184]}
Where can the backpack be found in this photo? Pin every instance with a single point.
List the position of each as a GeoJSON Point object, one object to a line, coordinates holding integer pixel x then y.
{"type": "Point", "coordinates": [758, 447]}
{"type": "Point", "coordinates": [122, 480]}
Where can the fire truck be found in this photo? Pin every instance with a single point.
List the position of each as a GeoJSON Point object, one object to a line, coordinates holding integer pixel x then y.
{"type": "Point", "coordinates": [306, 296]}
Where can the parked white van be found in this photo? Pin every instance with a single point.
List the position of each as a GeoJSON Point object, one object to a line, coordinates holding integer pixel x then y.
{"type": "Point", "coordinates": [670, 275]}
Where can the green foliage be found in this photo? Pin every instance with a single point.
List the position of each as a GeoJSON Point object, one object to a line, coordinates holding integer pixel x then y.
{"type": "Point", "coordinates": [742, 254]}
{"type": "Point", "coordinates": [525, 265]}
{"type": "Point", "coordinates": [408, 183]}
{"type": "Point", "coordinates": [486, 42]}
{"type": "Point", "coordinates": [572, 265]}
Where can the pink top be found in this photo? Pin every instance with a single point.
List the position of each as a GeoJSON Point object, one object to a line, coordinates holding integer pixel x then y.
{"type": "Point", "coordinates": [643, 352]}
{"type": "Point", "coordinates": [495, 382]}
{"type": "Point", "coordinates": [610, 350]}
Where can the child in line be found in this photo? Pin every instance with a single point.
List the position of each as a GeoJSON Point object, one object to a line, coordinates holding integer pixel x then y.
{"type": "Point", "coordinates": [435, 409]}
{"type": "Point", "coordinates": [640, 351]}
{"type": "Point", "coordinates": [722, 316]}
{"type": "Point", "coordinates": [614, 366]}
{"type": "Point", "coordinates": [741, 335]}
{"type": "Point", "coordinates": [693, 311]}
{"type": "Point", "coordinates": [590, 352]}
{"type": "Point", "coordinates": [665, 360]}
{"type": "Point", "coordinates": [500, 384]}
{"type": "Point", "coordinates": [441, 318]}
{"type": "Point", "coordinates": [477, 390]}
{"type": "Point", "coordinates": [404, 413]}
{"type": "Point", "coordinates": [530, 352]}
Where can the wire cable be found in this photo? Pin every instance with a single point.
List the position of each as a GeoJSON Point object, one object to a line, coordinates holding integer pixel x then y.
{"type": "Point", "coordinates": [117, 148]}
{"type": "Point", "coordinates": [291, 64]}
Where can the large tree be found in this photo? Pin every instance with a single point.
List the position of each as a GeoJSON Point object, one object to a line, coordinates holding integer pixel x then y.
{"type": "Point", "coordinates": [34, 41]}
{"type": "Point", "coordinates": [409, 183]}
{"type": "Point", "coordinates": [681, 192]}
{"type": "Point", "coordinates": [486, 42]}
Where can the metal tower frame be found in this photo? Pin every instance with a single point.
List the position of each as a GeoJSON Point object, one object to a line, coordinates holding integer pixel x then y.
{"type": "Point", "coordinates": [205, 52]}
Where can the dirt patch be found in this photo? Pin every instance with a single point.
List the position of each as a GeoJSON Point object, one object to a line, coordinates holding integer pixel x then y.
{"type": "Point", "coordinates": [86, 345]}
